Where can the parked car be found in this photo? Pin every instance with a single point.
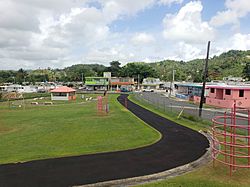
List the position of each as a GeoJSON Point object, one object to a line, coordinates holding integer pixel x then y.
{"type": "Point", "coordinates": [148, 90]}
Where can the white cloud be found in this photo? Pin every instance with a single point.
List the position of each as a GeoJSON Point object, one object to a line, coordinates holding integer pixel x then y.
{"type": "Point", "coordinates": [235, 9]}
{"type": "Point", "coordinates": [107, 55]}
{"type": "Point", "coordinates": [241, 41]}
{"type": "Point", "coordinates": [121, 7]}
{"type": "Point", "coordinates": [169, 2]}
{"type": "Point", "coordinates": [142, 38]}
{"type": "Point", "coordinates": [52, 33]}
{"type": "Point", "coordinates": [43, 32]}
{"type": "Point", "coordinates": [187, 25]}
{"type": "Point", "coordinates": [17, 17]}
{"type": "Point", "coordinates": [184, 51]}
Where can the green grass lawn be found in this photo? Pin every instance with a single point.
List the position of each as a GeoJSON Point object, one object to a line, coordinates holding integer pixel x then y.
{"type": "Point", "coordinates": [68, 128]}
{"type": "Point", "coordinates": [206, 176]}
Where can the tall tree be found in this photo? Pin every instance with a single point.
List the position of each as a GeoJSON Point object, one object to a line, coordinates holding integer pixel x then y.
{"type": "Point", "coordinates": [21, 76]}
{"type": "Point", "coordinates": [142, 69]}
{"type": "Point", "coordinates": [246, 71]}
{"type": "Point", "coordinates": [114, 68]}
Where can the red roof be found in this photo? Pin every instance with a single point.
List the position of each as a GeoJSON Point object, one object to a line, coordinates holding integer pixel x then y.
{"type": "Point", "coordinates": [63, 89]}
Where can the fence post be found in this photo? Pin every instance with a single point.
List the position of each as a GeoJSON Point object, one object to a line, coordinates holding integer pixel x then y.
{"type": "Point", "coordinates": [164, 105]}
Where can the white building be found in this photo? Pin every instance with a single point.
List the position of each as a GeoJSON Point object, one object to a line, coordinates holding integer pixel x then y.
{"type": "Point", "coordinates": [3, 88]}
{"type": "Point", "coordinates": [151, 84]}
{"type": "Point", "coordinates": [15, 88]}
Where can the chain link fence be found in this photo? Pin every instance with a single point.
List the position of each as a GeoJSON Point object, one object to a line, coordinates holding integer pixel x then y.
{"type": "Point", "coordinates": [176, 107]}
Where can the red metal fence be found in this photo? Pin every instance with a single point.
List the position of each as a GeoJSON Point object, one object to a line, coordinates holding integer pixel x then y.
{"type": "Point", "coordinates": [231, 138]}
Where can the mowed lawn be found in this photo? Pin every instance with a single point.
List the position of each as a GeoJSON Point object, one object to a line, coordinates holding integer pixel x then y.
{"type": "Point", "coordinates": [65, 129]}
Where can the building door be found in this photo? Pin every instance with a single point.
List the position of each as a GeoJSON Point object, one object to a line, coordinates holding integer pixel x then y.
{"type": "Point", "coordinates": [219, 93]}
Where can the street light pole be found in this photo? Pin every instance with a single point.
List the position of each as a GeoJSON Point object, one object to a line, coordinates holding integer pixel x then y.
{"type": "Point", "coordinates": [204, 79]}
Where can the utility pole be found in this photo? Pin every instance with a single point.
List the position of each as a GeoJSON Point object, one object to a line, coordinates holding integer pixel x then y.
{"type": "Point", "coordinates": [204, 80]}
{"type": "Point", "coordinates": [138, 81]}
{"type": "Point", "coordinates": [171, 84]}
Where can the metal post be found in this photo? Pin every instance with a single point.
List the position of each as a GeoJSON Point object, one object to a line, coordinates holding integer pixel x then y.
{"type": "Point", "coordinates": [225, 135]}
{"type": "Point", "coordinates": [248, 138]}
{"type": "Point", "coordinates": [204, 79]}
{"type": "Point", "coordinates": [234, 135]}
{"type": "Point", "coordinates": [231, 142]}
{"type": "Point", "coordinates": [213, 144]}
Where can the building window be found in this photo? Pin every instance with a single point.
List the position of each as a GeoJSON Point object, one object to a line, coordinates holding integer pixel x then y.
{"type": "Point", "coordinates": [241, 93]}
{"type": "Point", "coordinates": [228, 92]}
{"type": "Point", "coordinates": [212, 90]}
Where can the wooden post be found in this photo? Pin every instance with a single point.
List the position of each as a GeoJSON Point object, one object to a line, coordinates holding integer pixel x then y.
{"type": "Point", "coordinates": [204, 79]}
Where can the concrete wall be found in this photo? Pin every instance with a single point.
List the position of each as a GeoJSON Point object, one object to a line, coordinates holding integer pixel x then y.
{"type": "Point", "coordinates": [220, 99]}
{"type": "Point", "coordinates": [196, 99]}
{"type": "Point", "coordinates": [244, 103]}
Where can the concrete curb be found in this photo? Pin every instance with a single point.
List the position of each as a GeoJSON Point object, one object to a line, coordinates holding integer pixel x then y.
{"type": "Point", "coordinates": [204, 159]}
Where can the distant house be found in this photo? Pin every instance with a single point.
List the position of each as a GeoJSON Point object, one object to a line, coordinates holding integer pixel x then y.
{"type": "Point", "coordinates": [151, 84]}
{"type": "Point", "coordinates": [3, 88]}
{"type": "Point", "coordinates": [233, 79]}
{"type": "Point", "coordinates": [63, 93]}
{"type": "Point", "coordinates": [121, 83]}
{"type": "Point", "coordinates": [30, 89]}
{"type": "Point", "coordinates": [224, 96]}
{"type": "Point", "coordinates": [15, 88]}
{"type": "Point", "coordinates": [97, 83]}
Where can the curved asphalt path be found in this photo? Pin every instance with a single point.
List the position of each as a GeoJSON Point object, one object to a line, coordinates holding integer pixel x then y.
{"type": "Point", "coordinates": [178, 146]}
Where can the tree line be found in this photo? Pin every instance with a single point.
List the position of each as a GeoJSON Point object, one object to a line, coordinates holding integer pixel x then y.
{"type": "Point", "coordinates": [232, 63]}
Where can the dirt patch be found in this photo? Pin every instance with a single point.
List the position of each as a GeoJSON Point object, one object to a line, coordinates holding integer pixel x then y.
{"type": "Point", "coordinates": [4, 129]}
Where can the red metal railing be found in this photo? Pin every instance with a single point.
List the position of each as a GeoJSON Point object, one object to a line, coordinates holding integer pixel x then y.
{"type": "Point", "coordinates": [231, 138]}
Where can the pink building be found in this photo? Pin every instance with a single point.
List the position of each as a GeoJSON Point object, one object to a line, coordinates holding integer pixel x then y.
{"type": "Point", "coordinates": [224, 96]}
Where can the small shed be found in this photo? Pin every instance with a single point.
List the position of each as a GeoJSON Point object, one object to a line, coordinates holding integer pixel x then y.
{"type": "Point", "coordinates": [63, 93]}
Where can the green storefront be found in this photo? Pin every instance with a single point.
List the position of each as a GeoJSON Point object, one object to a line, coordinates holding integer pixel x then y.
{"type": "Point", "coordinates": [97, 83]}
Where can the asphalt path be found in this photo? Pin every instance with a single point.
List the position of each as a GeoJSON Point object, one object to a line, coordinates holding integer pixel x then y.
{"type": "Point", "coordinates": [178, 146]}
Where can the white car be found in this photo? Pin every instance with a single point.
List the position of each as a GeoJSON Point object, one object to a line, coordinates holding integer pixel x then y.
{"type": "Point", "coordinates": [148, 90]}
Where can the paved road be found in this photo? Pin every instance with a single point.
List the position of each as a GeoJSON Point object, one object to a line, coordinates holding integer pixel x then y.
{"type": "Point", "coordinates": [178, 146]}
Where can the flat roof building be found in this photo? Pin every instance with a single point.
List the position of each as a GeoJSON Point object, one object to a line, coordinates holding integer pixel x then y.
{"type": "Point", "coordinates": [97, 83]}
{"type": "Point", "coordinates": [224, 96]}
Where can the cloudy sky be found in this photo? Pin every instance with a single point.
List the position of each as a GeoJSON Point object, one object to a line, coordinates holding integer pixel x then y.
{"type": "Point", "coordinates": [59, 33]}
